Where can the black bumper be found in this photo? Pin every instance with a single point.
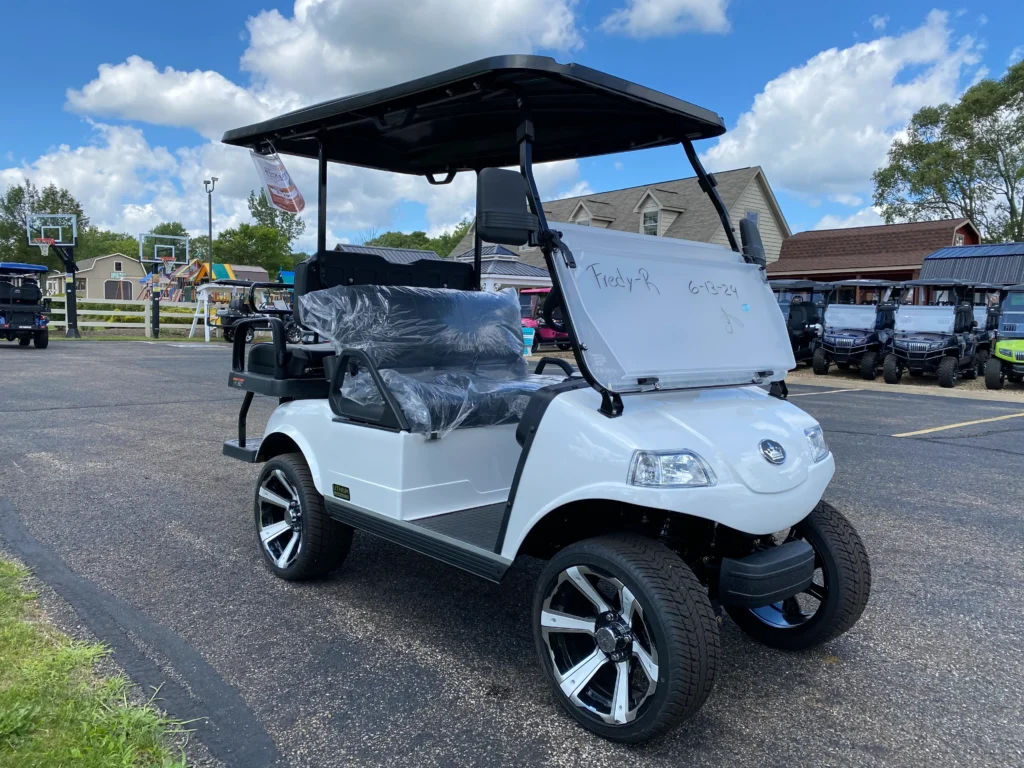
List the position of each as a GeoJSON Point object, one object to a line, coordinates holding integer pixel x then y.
{"type": "Point", "coordinates": [249, 454]}
{"type": "Point", "coordinates": [767, 576]}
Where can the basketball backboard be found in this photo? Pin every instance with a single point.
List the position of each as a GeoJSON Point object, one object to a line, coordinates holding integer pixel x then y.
{"type": "Point", "coordinates": [163, 249]}
{"type": "Point", "coordinates": [62, 228]}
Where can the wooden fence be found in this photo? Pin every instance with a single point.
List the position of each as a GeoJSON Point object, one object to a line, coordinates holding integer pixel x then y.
{"type": "Point", "coordinates": [123, 313]}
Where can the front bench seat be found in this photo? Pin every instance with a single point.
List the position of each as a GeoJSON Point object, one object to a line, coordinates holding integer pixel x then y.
{"type": "Point", "coordinates": [301, 361]}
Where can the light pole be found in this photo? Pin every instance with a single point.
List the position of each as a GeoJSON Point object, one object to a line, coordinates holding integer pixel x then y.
{"type": "Point", "coordinates": [210, 184]}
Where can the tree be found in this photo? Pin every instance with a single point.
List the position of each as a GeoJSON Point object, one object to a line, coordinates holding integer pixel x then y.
{"type": "Point", "coordinates": [17, 203]}
{"type": "Point", "coordinates": [266, 215]}
{"type": "Point", "coordinates": [255, 245]}
{"type": "Point", "coordinates": [174, 228]}
{"type": "Point", "coordinates": [100, 242]}
{"type": "Point", "coordinates": [442, 245]}
{"type": "Point", "coordinates": [964, 160]}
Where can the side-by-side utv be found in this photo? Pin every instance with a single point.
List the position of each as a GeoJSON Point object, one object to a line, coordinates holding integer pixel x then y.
{"type": "Point", "coordinates": [1007, 360]}
{"type": "Point", "coordinates": [657, 479]}
{"type": "Point", "coordinates": [859, 319]}
{"type": "Point", "coordinates": [24, 313]}
{"type": "Point", "coordinates": [934, 333]}
{"type": "Point", "coordinates": [987, 300]}
{"type": "Point", "coordinates": [800, 303]}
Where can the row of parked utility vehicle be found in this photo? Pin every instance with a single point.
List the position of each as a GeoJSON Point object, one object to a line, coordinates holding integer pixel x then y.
{"type": "Point", "coordinates": [952, 329]}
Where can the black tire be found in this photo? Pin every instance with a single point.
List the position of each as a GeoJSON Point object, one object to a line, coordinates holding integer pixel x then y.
{"type": "Point", "coordinates": [682, 629]}
{"type": "Point", "coordinates": [293, 334]}
{"type": "Point", "coordinates": [250, 334]}
{"type": "Point", "coordinates": [229, 335]}
{"type": "Point", "coordinates": [24, 341]}
{"type": "Point", "coordinates": [323, 542]}
{"type": "Point", "coordinates": [994, 374]}
{"type": "Point", "coordinates": [841, 556]}
{"type": "Point", "coordinates": [949, 371]}
{"type": "Point", "coordinates": [42, 339]}
{"type": "Point", "coordinates": [820, 362]}
{"type": "Point", "coordinates": [869, 365]}
{"type": "Point", "coordinates": [565, 347]}
{"type": "Point", "coordinates": [981, 358]}
{"type": "Point", "coordinates": [843, 366]}
{"type": "Point", "coordinates": [892, 371]}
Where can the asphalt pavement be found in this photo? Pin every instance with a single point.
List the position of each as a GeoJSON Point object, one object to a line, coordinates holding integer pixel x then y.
{"type": "Point", "coordinates": [113, 488]}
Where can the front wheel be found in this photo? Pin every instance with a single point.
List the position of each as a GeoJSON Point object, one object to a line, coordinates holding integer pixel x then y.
{"type": "Point", "coordinates": [949, 371]}
{"type": "Point", "coordinates": [820, 362]}
{"type": "Point", "coordinates": [297, 538]}
{"type": "Point", "coordinates": [42, 339]}
{"type": "Point", "coordinates": [836, 597]}
{"type": "Point", "coordinates": [892, 371]}
{"type": "Point", "coordinates": [869, 365]}
{"type": "Point", "coordinates": [626, 635]}
{"type": "Point", "coordinates": [994, 374]}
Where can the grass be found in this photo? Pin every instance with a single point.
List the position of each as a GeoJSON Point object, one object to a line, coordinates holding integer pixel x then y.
{"type": "Point", "coordinates": [55, 710]}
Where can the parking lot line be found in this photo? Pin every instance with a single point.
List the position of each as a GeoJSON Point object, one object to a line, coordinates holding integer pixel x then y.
{"type": "Point", "coordinates": [960, 424]}
{"type": "Point", "coordinates": [826, 392]}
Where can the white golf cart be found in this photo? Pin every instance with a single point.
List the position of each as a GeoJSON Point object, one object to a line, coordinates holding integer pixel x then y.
{"type": "Point", "coordinates": [660, 482]}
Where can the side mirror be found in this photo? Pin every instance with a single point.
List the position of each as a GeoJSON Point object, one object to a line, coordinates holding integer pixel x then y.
{"type": "Point", "coordinates": [502, 214]}
{"type": "Point", "coordinates": [750, 237]}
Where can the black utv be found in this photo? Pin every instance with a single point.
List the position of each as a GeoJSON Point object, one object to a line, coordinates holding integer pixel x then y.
{"type": "Point", "coordinates": [800, 303]}
{"type": "Point", "coordinates": [859, 319]}
{"type": "Point", "coordinates": [987, 300]}
{"type": "Point", "coordinates": [935, 332]}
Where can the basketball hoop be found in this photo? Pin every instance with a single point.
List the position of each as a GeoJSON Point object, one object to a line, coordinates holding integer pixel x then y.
{"type": "Point", "coordinates": [43, 244]}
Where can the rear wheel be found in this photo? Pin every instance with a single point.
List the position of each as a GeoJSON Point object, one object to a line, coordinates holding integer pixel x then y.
{"type": "Point", "coordinates": [42, 339]}
{"type": "Point", "coordinates": [981, 360]}
{"type": "Point", "coordinates": [892, 371]}
{"type": "Point", "coordinates": [297, 538]}
{"type": "Point", "coordinates": [820, 362]}
{"type": "Point", "coordinates": [949, 372]}
{"type": "Point", "coordinates": [994, 374]}
{"type": "Point", "coordinates": [293, 334]}
{"type": "Point", "coordinates": [869, 365]}
{"type": "Point", "coordinates": [626, 635]}
{"type": "Point", "coordinates": [836, 597]}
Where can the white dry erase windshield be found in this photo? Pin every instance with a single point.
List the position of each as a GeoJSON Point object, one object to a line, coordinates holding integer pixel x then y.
{"type": "Point", "coordinates": [684, 314]}
{"type": "Point", "coordinates": [854, 318]}
{"type": "Point", "coordinates": [925, 319]}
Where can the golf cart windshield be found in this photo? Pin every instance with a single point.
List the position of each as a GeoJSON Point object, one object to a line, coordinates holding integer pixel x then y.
{"type": "Point", "coordinates": [1011, 322]}
{"type": "Point", "coordinates": [910, 319]}
{"type": "Point", "coordinates": [659, 311]}
{"type": "Point", "coordinates": [850, 316]}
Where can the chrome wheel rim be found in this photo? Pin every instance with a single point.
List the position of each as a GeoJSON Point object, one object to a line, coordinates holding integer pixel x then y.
{"type": "Point", "coordinates": [797, 610]}
{"type": "Point", "coordinates": [600, 644]}
{"type": "Point", "coordinates": [279, 521]}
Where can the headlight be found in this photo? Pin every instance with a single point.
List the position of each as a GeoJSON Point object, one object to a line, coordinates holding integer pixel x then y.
{"type": "Point", "coordinates": [670, 469]}
{"type": "Point", "coordinates": [1005, 351]}
{"type": "Point", "coordinates": [816, 439]}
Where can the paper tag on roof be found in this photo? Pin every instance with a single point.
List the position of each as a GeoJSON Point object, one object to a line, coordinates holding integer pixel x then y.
{"type": "Point", "coordinates": [280, 189]}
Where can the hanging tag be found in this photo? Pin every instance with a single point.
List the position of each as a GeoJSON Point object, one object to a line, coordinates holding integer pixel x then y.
{"type": "Point", "coordinates": [281, 190]}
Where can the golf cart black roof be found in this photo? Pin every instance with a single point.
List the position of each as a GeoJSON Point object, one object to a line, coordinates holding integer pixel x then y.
{"type": "Point", "coordinates": [1019, 288]}
{"type": "Point", "coordinates": [938, 282]}
{"type": "Point", "coordinates": [466, 118]}
{"type": "Point", "coordinates": [796, 285]}
{"type": "Point", "coordinates": [986, 286]}
{"type": "Point", "coordinates": [17, 268]}
{"type": "Point", "coordinates": [863, 284]}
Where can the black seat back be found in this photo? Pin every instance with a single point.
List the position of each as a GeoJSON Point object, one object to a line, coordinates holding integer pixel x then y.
{"type": "Point", "coordinates": [799, 316]}
{"type": "Point", "coordinates": [28, 293]}
{"type": "Point", "coordinates": [6, 293]}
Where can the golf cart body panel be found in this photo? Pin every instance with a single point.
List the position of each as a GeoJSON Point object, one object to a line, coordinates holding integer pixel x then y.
{"type": "Point", "coordinates": [24, 313]}
{"type": "Point", "coordinates": [722, 426]}
{"type": "Point", "coordinates": [628, 294]}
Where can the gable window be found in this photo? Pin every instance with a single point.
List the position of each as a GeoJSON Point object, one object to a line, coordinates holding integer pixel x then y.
{"type": "Point", "coordinates": [958, 238]}
{"type": "Point", "coordinates": [752, 216]}
{"type": "Point", "coordinates": [650, 226]}
{"type": "Point", "coordinates": [117, 266]}
{"type": "Point", "coordinates": [583, 222]}
{"type": "Point", "coordinates": [79, 285]}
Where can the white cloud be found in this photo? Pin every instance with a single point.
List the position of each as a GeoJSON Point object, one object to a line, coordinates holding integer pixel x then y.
{"type": "Point", "coordinates": [878, 22]}
{"type": "Point", "coordinates": [328, 48]}
{"type": "Point", "coordinates": [643, 19]}
{"type": "Point", "coordinates": [824, 127]}
{"type": "Point", "coordinates": [866, 217]}
{"type": "Point", "coordinates": [850, 200]}
{"type": "Point", "coordinates": [982, 20]}
{"type": "Point", "coordinates": [1015, 55]}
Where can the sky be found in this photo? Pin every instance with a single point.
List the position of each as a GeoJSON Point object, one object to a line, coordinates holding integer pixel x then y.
{"type": "Point", "coordinates": [124, 103]}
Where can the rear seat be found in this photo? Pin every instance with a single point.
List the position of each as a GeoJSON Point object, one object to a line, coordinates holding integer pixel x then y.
{"type": "Point", "coordinates": [302, 361]}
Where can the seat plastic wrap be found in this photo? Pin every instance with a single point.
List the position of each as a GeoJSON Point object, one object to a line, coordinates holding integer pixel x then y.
{"type": "Point", "coordinates": [451, 358]}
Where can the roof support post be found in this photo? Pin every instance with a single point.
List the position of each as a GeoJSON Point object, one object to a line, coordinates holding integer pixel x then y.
{"type": "Point", "coordinates": [707, 183]}
{"type": "Point", "coordinates": [525, 137]}
{"type": "Point", "coordinates": [321, 200]}
{"type": "Point", "coordinates": [478, 243]}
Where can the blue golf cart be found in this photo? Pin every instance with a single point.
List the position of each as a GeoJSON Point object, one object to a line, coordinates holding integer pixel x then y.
{"type": "Point", "coordinates": [24, 313]}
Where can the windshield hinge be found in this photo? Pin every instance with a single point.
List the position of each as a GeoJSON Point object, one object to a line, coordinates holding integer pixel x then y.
{"type": "Point", "coordinates": [649, 381]}
{"type": "Point", "coordinates": [611, 404]}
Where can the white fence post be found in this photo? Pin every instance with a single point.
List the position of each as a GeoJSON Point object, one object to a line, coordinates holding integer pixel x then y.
{"type": "Point", "coordinates": [147, 318]}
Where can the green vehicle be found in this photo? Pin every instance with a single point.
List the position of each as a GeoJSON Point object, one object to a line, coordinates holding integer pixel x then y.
{"type": "Point", "coordinates": [1007, 360]}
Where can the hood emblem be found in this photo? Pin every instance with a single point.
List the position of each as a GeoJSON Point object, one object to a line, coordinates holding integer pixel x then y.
{"type": "Point", "coordinates": [773, 452]}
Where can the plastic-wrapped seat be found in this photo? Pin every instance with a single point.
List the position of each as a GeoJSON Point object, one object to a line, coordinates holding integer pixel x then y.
{"type": "Point", "coordinates": [450, 358]}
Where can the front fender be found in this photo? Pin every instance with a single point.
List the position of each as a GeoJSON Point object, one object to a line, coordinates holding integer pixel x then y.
{"type": "Point", "coordinates": [579, 454]}
{"type": "Point", "coordinates": [278, 424]}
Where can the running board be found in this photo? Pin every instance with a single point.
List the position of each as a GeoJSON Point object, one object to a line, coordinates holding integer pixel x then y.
{"type": "Point", "coordinates": [465, 556]}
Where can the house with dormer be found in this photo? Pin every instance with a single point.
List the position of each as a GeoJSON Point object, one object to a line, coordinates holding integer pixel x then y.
{"type": "Point", "coordinates": [665, 209]}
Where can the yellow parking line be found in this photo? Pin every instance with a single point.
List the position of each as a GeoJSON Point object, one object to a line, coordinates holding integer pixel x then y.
{"type": "Point", "coordinates": [826, 392]}
{"type": "Point", "coordinates": [961, 424]}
